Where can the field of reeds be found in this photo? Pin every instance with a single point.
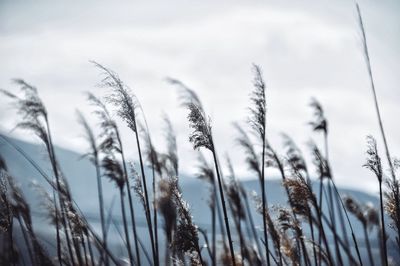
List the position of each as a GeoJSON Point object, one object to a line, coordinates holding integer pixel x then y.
{"type": "Point", "coordinates": [316, 226]}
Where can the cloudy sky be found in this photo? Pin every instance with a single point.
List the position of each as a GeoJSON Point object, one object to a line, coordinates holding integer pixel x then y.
{"type": "Point", "coordinates": [305, 48]}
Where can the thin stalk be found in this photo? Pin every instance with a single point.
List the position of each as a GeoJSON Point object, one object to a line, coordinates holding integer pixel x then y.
{"type": "Point", "coordinates": [222, 198]}
{"type": "Point", "coordinates": [57, 228]}
{"type": "Point", "coordinates": [53, 162]}
{"type": "Point", "coordinates": [146, 254]}
{"type": "Point", "coordinates": [28, 246]}
{"type": "Point", "coordinates": [11, 236]}
{"type": "Point", "coordinates": [167, 252]}
{"type": "Point", "coordinates": [90, 249]}
{"type": "Point", "coordinates": [348, 221]}
{"type": "Point", "coordinates": [264, 202]}
{"type": "Point", "coordinates": [300, 237]}
{"type": "Point", "coordinates": [64, 222]}
{"type": "Point", "coordinates": [371, 259]}
{"type": "Point", "coordinates": [131, 209]}
{"type": "Point", "coordinates": [339, 211]}
{"type": "Point", "coordinates": [321, 229]}
{"type": "Point", "coordinates": [155, 213]}
{"type": "Point", "coordinates": [333, 221]}
{"type": "Point", "coordinates": [331, 203]}
{"type": "Point", "coordinates": [337, 198]}
{"type": "Point", "coordinates": [236, 220]}
{"type": "Point", "coordinates": [219, 214]}
{"type": "Point", "coordinates": [383, 230]}
{"type": "Point", "coordinates": [310, 221]}
{"type": "Point", "coordinates": [146, 197]}
{"type": "Point", "coordinates": [253, 228]}
{"type": "Point", "coordinates": [378, 114]}
{"type": "Point", "coordinates": [101, 207]}
{"type": "Point", "coordinates": [213, 231]}
{"type": "Point", "coordinates": [343, 245]}
{"type": "Point", "coordinates": [204, 234]}
{"type": "Point", "coordinates": [84, 249]}
{"type": "Point", "coordinates": [320, 204]}
{"type": "Point", "coordinates": [127, 241]}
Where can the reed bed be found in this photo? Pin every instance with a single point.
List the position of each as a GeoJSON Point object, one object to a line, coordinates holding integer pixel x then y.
{"type": "Point", "coordinates": [313, 228]}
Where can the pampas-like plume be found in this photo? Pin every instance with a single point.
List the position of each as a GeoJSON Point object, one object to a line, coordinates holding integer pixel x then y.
{"type": "Point", "coordinates": [201, 137]}
{"type": "Point", "coordinates": [391, 205]}
{"type": "Point", "coordinates": [22, 212]}
{"type": "Point", "coordinates": [5, 206]}
{"type": "Point", "coordinates": [354, 207]}
{"type": "Point", "coordinates": [204, 170]}
{"type": "Point", "coordinates": [35, 119]}
{"type": "Point", "coordinates": [186, 238]}
{"type": "Point", "coordinates": [275, 235]}
{"type": "Point", "coordinates": [167, 207]}
{"type": "Point", "coordinates": [289, 250]}
{"type": "Point", "coordinates": [171, 162]}
{"type": "Point", "coordinates": [252, 159]}
{"type": "Point", "coordinates": [373, 163]}
{"type": "Point", "coordinates": [109, 147]}
{"type": "Point", "coordinates": [120, 96]}
{"type": "Point", "coordinates": [378, 114]}
{"type": "Point", "coordinates": [258, 112]}
{"type": "Point", "coordinates": [257, 121]}
{"type": "Point", "coordinates": [367, 216]}
{"type": "Point", "coordinates": [234, 194]}
{"type": "Point", "coordinates": [127, 104]}
{"type": "Point", "coordinates": [300, 195]}
{"type": "Point", "coordinates": [298, 168]}
{"type": "Point", "coordinates": [287, 222]}
{"type": "Point", "coordinates": [31, 109]}
{"type": "Point", "coordinates": [320, 122]}
{"type": "Point", "coordinates": [200, 124]}
{"type": "Point", "coordinates": [321, 164]}
{"type": "Point", "coordinates": [295, 159]}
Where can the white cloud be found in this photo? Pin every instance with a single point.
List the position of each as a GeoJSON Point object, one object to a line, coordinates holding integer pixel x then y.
{"type": "Point", "coordinates": [304, 52]}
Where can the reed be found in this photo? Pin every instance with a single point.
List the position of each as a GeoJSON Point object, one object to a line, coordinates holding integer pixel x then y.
{"type": "Point", "coordinates": [285, 239]}
{"type": "Point", "coordinates": [201, 137]}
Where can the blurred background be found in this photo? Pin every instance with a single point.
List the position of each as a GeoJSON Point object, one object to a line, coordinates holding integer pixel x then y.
{"type": "Point", "coordinates": [305, 48]}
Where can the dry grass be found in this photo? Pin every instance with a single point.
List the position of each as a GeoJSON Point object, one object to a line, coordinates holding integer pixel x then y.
{"type": "Point", "coordinates": [283, 240]}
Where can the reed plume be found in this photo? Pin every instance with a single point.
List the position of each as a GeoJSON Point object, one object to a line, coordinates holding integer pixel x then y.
{"type": "Point", "coordinates": [125, 101]}
{"type": "Point", "coordinates": [379, 117]}
{"type": "Point", "coordinates": [201, 137]}
{"type": "Point", "coordinates": [365, 215]}
{"type": "Point", "coordinates": [167, 208]}
{"type": "Point", "coordinates": [373, 163]}
{"type": "Point", "coordinates": [35, 119]}
{"type": "Point", "coordinates": [110, 147]}
{"type": "Point", "coordinates": [275, 234]}
{"type": "Point", "coordinates": [257, 121]}
{"type": "Point", "coordinates": [170, 158]}
{"type": "Point", "coordinates": [186, 239]}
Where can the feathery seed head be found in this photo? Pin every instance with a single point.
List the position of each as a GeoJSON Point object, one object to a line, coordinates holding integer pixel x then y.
{"type": "Point", "coordinates": [320, 123]}
{"type": "Point", "coordinates": [373, 162]}
{"type": "Point", "coordinates": [199, 123]}
{"type": "Point", "coordinates": [257, 118]}
{"type": "Point", "coordinates": [121, 96]}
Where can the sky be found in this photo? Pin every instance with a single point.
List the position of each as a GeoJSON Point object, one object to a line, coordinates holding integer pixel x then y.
{"type": "Point", "coordinates": [305, 48]}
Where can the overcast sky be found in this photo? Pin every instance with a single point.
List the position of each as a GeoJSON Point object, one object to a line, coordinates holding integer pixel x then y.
{"type": "Point", "coordinates": [305, 48]}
